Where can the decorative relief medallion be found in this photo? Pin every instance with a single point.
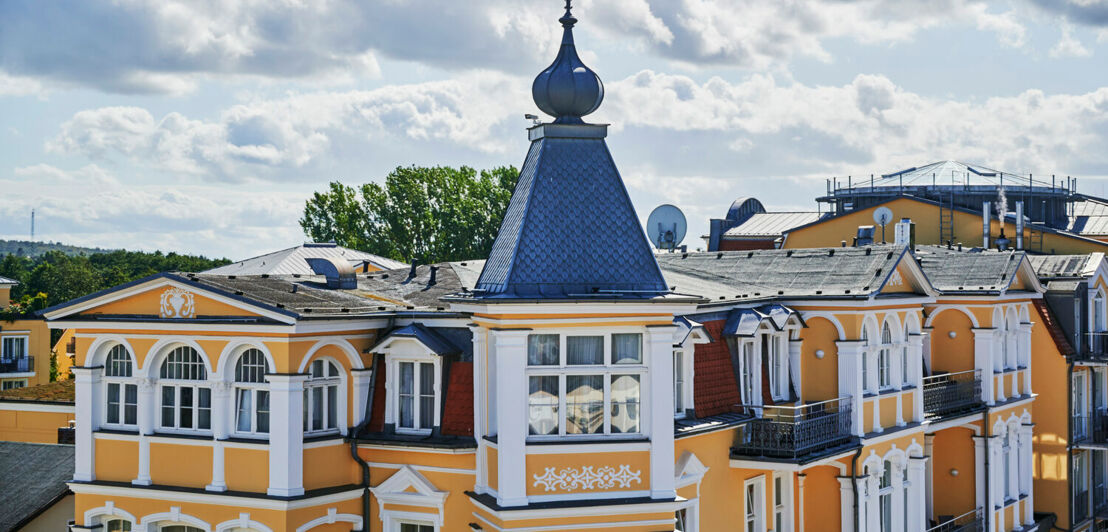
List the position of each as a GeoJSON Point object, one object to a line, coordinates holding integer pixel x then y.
{"type": "Point", "coordinates": [895, 279]}
{"type": "Point", "coordinates": [587, 478]}
{"type": "Point", "coordinates": [178, 303]}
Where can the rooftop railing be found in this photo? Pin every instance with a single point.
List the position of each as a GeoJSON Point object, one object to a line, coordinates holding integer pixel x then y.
{"type": "Point", "coordinates": [23, 364]}
{"type": "Point", "coordinates": [951, 394]}
{"type": "Point", "coordinates": [970, 521]}
{"type": "Point", "coordinates": [793, 432]}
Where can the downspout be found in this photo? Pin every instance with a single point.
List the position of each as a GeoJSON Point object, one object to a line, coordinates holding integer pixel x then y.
{"type": "Point", "coordinates": [358, 430]}
{"type": "Point", "coordinates": [1069, 445]}
{"type": "Point", "coordinates": [988, 513]}
{"type": "Point", "coordinates": [854, 487]}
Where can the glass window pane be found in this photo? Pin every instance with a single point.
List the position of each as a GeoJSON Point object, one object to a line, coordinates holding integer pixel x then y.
{"type": "Point", "coordinates": [317, 408]}
{"type": "Point", "coordinates": [407, 412]}
{"type": "Point", "coordinates": [584, 350]}
{"type": "Point", "coordinates": [185, 410]}
{"type": "Point", "coordinates": [543, 405]}
{"type": "Point", "coordinates": [263, 411]}
{"type": "Point", "coordinates": [205, 410]}
{"type": "Point", "coordinates": [307, 410]}
{"type": "Point", "coordinates": [584, 404]}
{"type": "Point", "coordinates": [625, 403]}
{"type": "Point", "coordinates": [627, 348]}
{"type": "Point", "coordinates": [130, 404]}
{"type": "Point", "coordinates": [426, 412]}
{"type": "Point", "coordinates": [407, 378]}
{"type": "Point", "coordinates": [332, 408]}
{"type": "Point", "coordinates": [542, 350]}
{"type": "Point", "coordinates": [317, 369]}
{"type": "Point", "coordinates": [113, 403]}
{"type": "Point", "coordinates": [168, 396]}
{"type": "Point", "coordinates": [243, 410]}
{"type": "Point", "coordinates": [426, 379]}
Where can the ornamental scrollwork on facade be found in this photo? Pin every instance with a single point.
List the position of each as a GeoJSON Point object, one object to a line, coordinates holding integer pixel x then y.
{"type": "Point", "coordinates": [587, 478]}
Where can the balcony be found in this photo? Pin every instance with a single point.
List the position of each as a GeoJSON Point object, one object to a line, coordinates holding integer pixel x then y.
{"type": "Point", "coordinates": [1094, 349]}
{"type": "Point", "coordinates": [795, 432]}
{"type": "Point", "coordinates": [23, 364]}
{"type": "Point", "coordinates": [970, 521]}
{"type": "Point", "coordinates": [951, 394]}
{"type": "Point", "coordinates": [1091, 428]}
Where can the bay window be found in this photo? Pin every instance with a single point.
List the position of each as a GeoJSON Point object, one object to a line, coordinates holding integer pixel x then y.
{"type": "Point", "coordinates": [122, 394]}
{"type": "Point", "coordinates": [186, 399]}
{"type": "Point", "coordinates": [251, 394]}
{"type": "Point", "coordinates": [584, 385]}
{"type": "Point", "coordinates": [321, 392]}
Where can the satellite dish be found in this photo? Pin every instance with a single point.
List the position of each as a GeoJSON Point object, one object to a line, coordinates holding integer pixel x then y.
{"type": "Point", "coordinates": [666, 227]}
{"type": "Point", "coordinates": [882, 215]}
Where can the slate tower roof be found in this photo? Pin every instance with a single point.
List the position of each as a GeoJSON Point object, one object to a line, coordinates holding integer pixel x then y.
{"type": "Point", "coordinates": [570, 230]}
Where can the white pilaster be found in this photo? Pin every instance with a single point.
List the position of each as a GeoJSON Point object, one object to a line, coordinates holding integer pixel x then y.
{"type": "Point", "coordinates": [850, 381]}
{"type": "Point", "coordinates": [223, 403]}
{"type": "Point", "coordinates": [898, 508]}
{"type": "Point", "coordinates": [659, 406]}
{"type": "Point", "coordinates": [799, 510]}
{"type": "Point", "coordinates": [146, 423]}
{"type": "Point", "coordinates": [979, 472]}
{"type": "Point", "coordinates": [983, 360]}
{"type": "Point", "coordinates": [511, 413]}
{"type": "Point", "coordinates": [846, 503]}
{"type": "Point", "coordinates": [795, 373]}
{"type": "Point", "coordinates": [87, 414]}
{"type": "Point", "coordinates": [916, 493]}
{"type": "Point", "coordinates": [929, 476]}
{"type": "Point", "coordinates": [915, 370]}
{"type": "Point", "coordinates": [873, 510]}
{"type": "Point", "coordinates": [286, 434]}
{"type": "Point", "coordinates": [218, 482]}
{"type": "Point", "coordinates": [1025, 468]}
{"type": "Point", "coordinates": [1025, 355]}
{"type": "Point", "coordinates": [480, 360]}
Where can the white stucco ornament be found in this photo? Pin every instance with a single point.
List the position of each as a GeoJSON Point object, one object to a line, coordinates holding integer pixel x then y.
{"type": "Point", "coordinates": [178, 303]}
{"type": "Point", "coordinates": [587, 478]}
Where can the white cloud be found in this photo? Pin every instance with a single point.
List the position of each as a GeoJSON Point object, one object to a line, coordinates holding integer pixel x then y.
{"type": "Point", "coordinates": [18, 85]}
{"type": "Point", "coordinates": [268, 139]}
{"type": "Point", "coordinates": [47, 175]}
{"type": "Point", "coordinates": [1069, 45]}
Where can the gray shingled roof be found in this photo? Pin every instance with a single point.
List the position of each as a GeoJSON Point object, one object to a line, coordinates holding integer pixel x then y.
{"type": "Point", "coordinates": [972, 270]}
{"type": "Point", "coordinates": [32, 476]}
{"type": "Point", "coordinates": [1060, 266]}
{"type": "Point", "coordinates": [570, 228]}
{"type": "Point", "coordinates": [294, 260]}
{"type": "Point", "coordinates": [767, 274]}
{"type": "Point", "coordinates": [1090, 217]}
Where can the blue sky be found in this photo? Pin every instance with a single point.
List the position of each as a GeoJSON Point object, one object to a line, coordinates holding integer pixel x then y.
{"type": "Point", "coordinates": [202, 127]}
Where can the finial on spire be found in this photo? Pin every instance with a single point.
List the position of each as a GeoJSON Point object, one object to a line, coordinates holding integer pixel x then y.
{"type": "Point", "coordinates": [567, 89]}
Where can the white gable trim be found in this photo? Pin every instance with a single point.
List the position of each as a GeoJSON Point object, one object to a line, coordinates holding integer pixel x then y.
{"type": "Point", "coordinates": [163, 282]}
{"type": "Point", "coordinates": [690, 470]}
{"type": "Point", "coordinates": [393, 491]}
{"type": "Point", "coordinates": [332, 517]}
{"type": "Point", "coordinates": [243, 521]}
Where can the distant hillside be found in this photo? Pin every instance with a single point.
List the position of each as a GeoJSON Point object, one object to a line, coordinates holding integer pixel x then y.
{"type": "Point", "coordinates": [25, 248]}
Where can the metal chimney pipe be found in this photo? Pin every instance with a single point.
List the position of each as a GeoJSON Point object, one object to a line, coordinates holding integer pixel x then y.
{"type": "Point", "coordinates": [986, 220]}
{"type": "Point", "coordinates": [1019, 225]}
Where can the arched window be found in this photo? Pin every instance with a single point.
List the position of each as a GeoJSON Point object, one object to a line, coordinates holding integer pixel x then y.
{"type": "Point", "coordinates": [321, 396]}
{"type": "Point", "coordinates": [117, 525]}
{"type": "Point", "coordinates": [884, 358]}
{"type": "Point", "coordinates": [885, 492]}
{"type": "Point", "coordinates": [1000, 354]}
{"type": "Point", "coordinates": [122, 394]}
{"type": "Point", "coordinates": [186, 401]}
{"type": "Point", "coordinates": [251, 394]}
{"type": "Point", "coordinates": [866, 386]}
{"type": "Point", "coordinates": [904, 356]}
{"type": "Point", "coordinates": [1099, 324]}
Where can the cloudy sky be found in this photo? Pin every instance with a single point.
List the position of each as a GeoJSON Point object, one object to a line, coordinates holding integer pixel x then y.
{"type": "Point", "coordinates": [201, 126]}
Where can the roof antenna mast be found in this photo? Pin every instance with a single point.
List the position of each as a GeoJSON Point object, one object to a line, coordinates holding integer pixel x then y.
{"type": "Point", "coordinates": [33, 223]}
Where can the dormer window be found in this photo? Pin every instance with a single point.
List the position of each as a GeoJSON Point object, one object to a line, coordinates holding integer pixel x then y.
{"type": "Point", "coordinates": [584, 384]}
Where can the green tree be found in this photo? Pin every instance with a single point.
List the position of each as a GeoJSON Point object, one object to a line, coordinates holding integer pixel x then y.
{"type": "Point", "coordinates": [422, 214]}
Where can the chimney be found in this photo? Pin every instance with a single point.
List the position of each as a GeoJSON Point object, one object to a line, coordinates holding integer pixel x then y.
{"type": "Point", "coordinates": [434, 271]}
{"type": "Point", "coordinates": [986, 220]}
{"type": "Point", "coordinates": [1019, 225]}
{"type": "Point", "coordinates": [412, 272]}
{"type": "Point", "coordinates": [905, 233]}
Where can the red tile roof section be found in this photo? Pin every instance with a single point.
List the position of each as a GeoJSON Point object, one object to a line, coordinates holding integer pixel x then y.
{"type": "Point", "coordinates": [714, 388]}
{"type": "Point", "coordinates": [457, 416]}
{"type": "Point", "coordinates": [1055, 329]}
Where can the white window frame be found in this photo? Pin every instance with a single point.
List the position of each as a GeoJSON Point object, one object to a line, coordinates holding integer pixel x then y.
{"type": "Point", "coordinates": [784, 508]}
{"type": "Point", "coordinates": [1080, 402]}
{"type": "Point", "coordinates": [749, 373]}
{"type": "Point", "coordinates": [607, 369]}
{"type": "Point", "coordinates": [123, 382]}
{"type": "Point", "coordinates": [680, 382]}
{"type": "Point", "coordinates": [757, 517]}
{"type": "Point", "coordinates": [885, 359]}
{"type": "Point", "coordinates": [330, 384]}
{"type": "Point", "coordinates": [197, 385]}
{"type": "Point", "coordinates": [397, 524]}
{"type": "Point", "coordinates": [25, 339]}
{"type": "Point", "coordinates": [11, 384]}
{"type": "Point", "coordinates": [394, 362]}
{"type": "Point", "coordinates": [255, 389]}
{"type": "Point", "coordinates": [1098, 312]}
{"type": "Point", "coordinates": [778, 358]}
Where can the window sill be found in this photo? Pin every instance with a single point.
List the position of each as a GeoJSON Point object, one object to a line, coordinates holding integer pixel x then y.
{"type": "Point", "coordinates": [184, 435]}
{"type": "Point", "coordinates": [591, 439]}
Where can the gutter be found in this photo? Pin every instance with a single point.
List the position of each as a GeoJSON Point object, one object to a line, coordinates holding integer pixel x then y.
{"type": "Point", "coordinates": [988, 514]}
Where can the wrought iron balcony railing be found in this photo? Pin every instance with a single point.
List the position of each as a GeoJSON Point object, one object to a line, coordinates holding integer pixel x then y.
{"type": "Point", "coordinates": [1091, 427]}
{"type": "Point", "coordinates": [794, 432]}
{"type": "Point", "coordinates": [1093, 348]}
{"type": "Point", "coordinates": [24, 364]}
{"type": "Point", "coordinates": [970, 521]}
{"type": "Point", "coordinates": [950, 394]}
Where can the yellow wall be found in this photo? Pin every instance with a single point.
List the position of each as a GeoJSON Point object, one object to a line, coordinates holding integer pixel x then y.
{"type": "Point", "coordinates": [953, 449]}
{"type": "Point", "coordinates": [118, 460]}
{"type": "Point", "coordinates": [951, 355]}
{"type": "Point", "coordinates": [18, 424]}
{"type": "Point", "coordinates": [822, 510]}
{"type": "Point", "coordinates": [1051, 414]}
{"type": "Point", "coordinates": [967, 229]}
{"type": "Point", "coordinates": [329, 466]}
{"type": "Point", "coordinates": [820, 376]}
{"type": "Point", "coordinates": [167, 459]}
{"type": "Point", "coordinates": [247, 469]}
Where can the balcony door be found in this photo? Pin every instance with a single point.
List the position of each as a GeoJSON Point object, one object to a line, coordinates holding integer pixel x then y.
{"type": "Point", "coordinates": [1080, 405]}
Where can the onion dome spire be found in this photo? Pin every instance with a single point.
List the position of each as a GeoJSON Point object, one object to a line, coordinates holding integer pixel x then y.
{"type": "Point", "coordinates": [567, 89]}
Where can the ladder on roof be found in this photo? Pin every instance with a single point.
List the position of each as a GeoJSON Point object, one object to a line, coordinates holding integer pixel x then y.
{"type": "Point", "coordinates": [1034, 239]}
{"type": "Point", "coordinates": [946, 218]}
